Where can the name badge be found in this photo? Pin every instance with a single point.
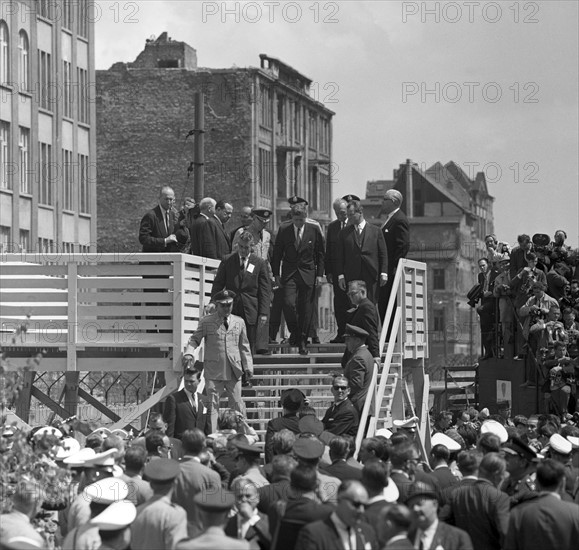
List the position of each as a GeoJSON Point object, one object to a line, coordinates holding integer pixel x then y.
{"type": "Point", "coordinates": [250, 268]}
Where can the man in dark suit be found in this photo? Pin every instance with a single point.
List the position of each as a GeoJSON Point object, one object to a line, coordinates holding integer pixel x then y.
{"type": "Point", "coordinates": [159, 225]}
{"type": "Point", "coordinates": [361, 252]}
{"type": "Point", "coordinates": [341, 302]}
{"type": "Point", "coordinates": [345, 528]}
{"type": "Point", "coordinates": [341, 417]}
{"type": "Point", "coordinates": [339, 449]}
{"type": "Point", "coordinates": [202, 230]}
{"type": "Point", "coordinates": [392, 526]}
{"type": "Point", "coordinates": [360, 366]}
{"type": "Point", "coordinates": [299, 251]}
{"type": "Point", "coordinates": [430, 533]}
{"type": "Point", "coordinates": [247, 275]}
{"type": "Point", "coordinates": [544, 521]}
{"type": "Point", "coordinates": [222, 214]}
{"type": "Point", "coordinates": [365, 316]}
{"type": "Point", "coordinates": [185, 409]}
{"type": "Point", "coordinates": [157, 424]}
{"type": "Point", "coordinates": [291, 402]}
{"type": "Point", "coordinates": [396, 233]}
{"type": "Point", "coordinates": [482, 509]}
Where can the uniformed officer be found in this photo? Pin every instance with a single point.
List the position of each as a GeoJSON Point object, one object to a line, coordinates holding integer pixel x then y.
{"type": "Point", "coordinates": [521, 465]}
{"type": "Point", "coordinates": [113, 525]}
{"type": "Point", "coordinates": [560, 449]}
{"type": "Point", "coordinates": [248, 463]}
{"type": "Point", "coordinates": [160, 523]}
{"type": "Point", "coordinates": [214, 507]}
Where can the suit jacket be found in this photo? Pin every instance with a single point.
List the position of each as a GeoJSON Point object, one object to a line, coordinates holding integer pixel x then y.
{"type": "Point", "coordinates": [332, 243]}
{"type": "Point", "coordinates": [221, 238]}
{"type": "Point", "coordinates": [323, 535]}
{"type": "Point", "coordinates": [252, 286]}
{"type": "Point", "coordinates": [445, 477]}
{"type": "Point", "coordinates": [370, 253]}
{"type": "Point", "coordinates": [359, 370]}
{"type": "Point", "coordinates": [180, 414]}
{"type": "Point", "coordinates": [342, 470]}
{"type": "Point", "coordinates": [152, 231]}
{"type": "Point", "coordinates": [482, 511]}
{"type": "Point", "coordinates": [543, 522]}
{"type": "Point", "coordinates": [139, 490]}
{"type": "Point", "coordinates": [193, 478]}
{"type": "Point", "coordinates": [447, 537]}
{"type": "Point", "coordinates": [213, 537]}
{"type": "Point", "coordinates": [257, 535]}
{"type": "Point", "coordinates": [366, 316]}
{"type": "Point", "coordinates": [289, 421]}
{"type": "Point", "coordinates": [396, 233]}
{"type": "Point", "coordinates": [399, 544]}
{"type": "Point", "coordinates": [227, 352]}
{"type": "Point", "coordinates": [203, 233]}
{"type": "Point", "coordinates": [307, 260]}
{"type": "Point", "coordinates": [341, 419]}
{"type": "Point", "coordinates": [270, 494]}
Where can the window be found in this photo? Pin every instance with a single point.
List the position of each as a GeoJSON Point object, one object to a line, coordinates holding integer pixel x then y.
{"type": "Point", "coordinates": [325, 136]}
{"type": "Point", "coordinates": [67, 88]}
{"type": "Point", "coordinates": [83, 179]}
{"type": "Point", "coordinates": [313, 130]}
{"type": "Point", "coordinates": [5, 240]}
{"type": "Point", "coordinates": [281, 106]}
{"type": "Point", "coordinates": [46, 195]}
{"type": "Point", "coordinates": [67, 14]}
{"type": "Point", "coordinates": [83, 97]}
{"type": "Point", "coordinates": [45, 246]}
{"type": "Point", "coordinates": [67, 248]}
{"type": "Point", "coordinates": [23, 61]}
{"type": "Point", "coordinates": [265, 173]}
{"type": "Point", "coordinates": [45, 8]}
{"type": "Point", "coordinates": [4, 54]}
{"type": "Point", "coordinates": [325, 198]}
{"type": "Point", "coordinates": [24, 240]}
{"type": "Point", "coordinates": [314, 173]}
{"type": "Point", "coordinates": [44, 80]}
{"type": "Point", "coordinates": [4, 155]}
{"type": "Point", "coordinates": [24, 154]}
{"type": "Point", "coordinates": [67, 180]}
{"type": "Point", "coordinates": [82, 19]}
{"type": "Point", "coordinates": [297, 122]}
{"type": "Point", "coordinates": [438, 279]}
{"type": "Point", "coordinates": [265, 106]}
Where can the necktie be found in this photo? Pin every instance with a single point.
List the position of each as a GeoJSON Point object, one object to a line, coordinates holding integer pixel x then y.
{"type": "Point", "coordinates": [298, 238]}
{"type": "Point", "coordinates": [167, 222]}
{"type": "Point", "coordinates": [358, 233]}
{"type": "Point", "coordinates": [226, 323]}
{"type": "Point", "coordinates": [242, 266]}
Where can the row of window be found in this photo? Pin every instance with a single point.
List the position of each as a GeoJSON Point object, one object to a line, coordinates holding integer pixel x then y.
{"type": "Point", "coordinates": [65, 13]}
{"type": "Point", "coordinates": [48, 92]}
{"type": "Point", "coordinates": [73, 175]}
{"type": "Point", "coordinates": [46, 246]}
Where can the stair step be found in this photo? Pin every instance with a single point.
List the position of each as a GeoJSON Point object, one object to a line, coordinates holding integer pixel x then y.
{"type": "Point", "coordinates": [279, 366]}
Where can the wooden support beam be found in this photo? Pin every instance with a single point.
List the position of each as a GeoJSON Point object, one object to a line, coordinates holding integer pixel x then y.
{"type": "Point", "coordinates": [71, 392]}
{"type": "Point", "coordinates": [91, 400]}
{"type": "Point", "coordinates": [50, 403]}
{"type": "Point", "coordinates": [24, 397]}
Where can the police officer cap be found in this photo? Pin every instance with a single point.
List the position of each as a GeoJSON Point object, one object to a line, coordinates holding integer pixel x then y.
{"type": "Point", "coordinates": [518, 447]}
{"type": "Point", "coordinates": [494, 427]}
{"type": "Point", "coordinates": [247, 449]}
{"type": "Point", "coordinates": [541, 239]}
{"type": "Point", "coordinates": [352, 330]}
{"type": "Point", "coordinates": [442, 439]}
{"type": "Point", "coordinates": [47, 430]}
{"type": "Point", "coordinates": [116, 516]}
{"type": "Point", "coordinates": [69, 446]}
{"type": "Point", "coordinates": [224, 297]}
{"type": "Point", "coordinates": [221, 501]}
{"type": "Point", "coordinates": [78, 460]}
{"type": "Point", "coordinates": [350, 198]}
{"type": "Point", "coordinates": [308, 448]}
{"type": "Point", "coordinates": [297, 200]}
{"type": "Point", "coordinates": [162, 470]}
{"type": "Point", "coordinates": [262, 213]}
{"type": "Point", "coordinates": [106, 458]}
{"type": "Point", "coordinates": [106, 491]}
{"type": "Point", "coordinates": [409, 424]}
{"type": "Point", "coordinates": [560, 445]}
{"type": "Point", "coordinates": [421, 489]}
{"type": "Point", "coordinates": [103, 432]}
{"type": "Point", "coordinates": [292, 399]}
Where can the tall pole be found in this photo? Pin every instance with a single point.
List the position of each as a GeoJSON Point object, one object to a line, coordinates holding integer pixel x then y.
{"type": "Point", "coordinates": [199, 154]}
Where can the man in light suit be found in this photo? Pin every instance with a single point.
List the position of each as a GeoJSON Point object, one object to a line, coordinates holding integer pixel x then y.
{"type": "Point", "coordinates": [159, 226]}
{"type": "Point", "coordinates": [396, 233]}
{"type": "Point", "coordinates": [227, 355]}
{"type": "Point", "coordinates": [361, 252]}
{"type": "Point", "coordinates": [299, 250]}
{"type": "Point", "coordinates": [428, 532]}
{"type": "Point", "coordinates": [214, 509]}
{"type": "Point", "coordinates": [186, 409]}
{"type": "Point", "coordinates": [246, 274]}
{"type": "Point", "coordinates": [345, 528]}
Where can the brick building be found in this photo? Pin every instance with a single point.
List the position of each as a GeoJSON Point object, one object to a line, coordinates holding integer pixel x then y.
{"type": "Point", "coordinates": [449, 215]}
{"type": "Point", "coordinates": [47, 131]}
{"type": "Point", "coordinates": [266, 138]}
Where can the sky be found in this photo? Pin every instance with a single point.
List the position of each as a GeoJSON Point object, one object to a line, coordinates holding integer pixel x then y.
{"type": "Point", "coordinates": [492, 86]}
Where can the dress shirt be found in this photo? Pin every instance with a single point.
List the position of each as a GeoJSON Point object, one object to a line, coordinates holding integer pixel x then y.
{"type": "Point", "coordinates": [299, 233]}
{"type": "Point", "coordinates": [347, 534]}
{"type": "Point", "coordinates": [243, 262]}
{"type": "Point", "coordinates": [192, 398]}
{"type": "Point", "coordinates": [360, 227]}
{"type": "Point", "coordinates": [244, 525]}
{"type": "Point", "coordinates": [165, 218]}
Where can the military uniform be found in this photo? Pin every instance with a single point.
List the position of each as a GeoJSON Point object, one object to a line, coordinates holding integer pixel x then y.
{"type": "Point", "coordinates": [520, 489]}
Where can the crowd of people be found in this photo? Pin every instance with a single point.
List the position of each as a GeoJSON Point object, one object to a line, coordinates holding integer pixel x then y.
{"type": "Point", "coordinates": [529, 306]}
{"type": "Point", "coordinates": [488, 482]}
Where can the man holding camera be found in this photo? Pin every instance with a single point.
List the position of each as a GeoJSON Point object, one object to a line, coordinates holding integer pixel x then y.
{"type": "Point", "coordinates": [227, 355]}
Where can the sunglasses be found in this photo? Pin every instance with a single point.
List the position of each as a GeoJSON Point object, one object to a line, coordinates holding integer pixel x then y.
{"type": "Point", "coordinates": [357, 503]}
{"type": "Point", "coordinates": [340, 388]}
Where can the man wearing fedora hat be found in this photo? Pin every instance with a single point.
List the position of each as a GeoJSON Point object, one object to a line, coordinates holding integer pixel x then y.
{"type": "Point", "coordinates": [227, 355]}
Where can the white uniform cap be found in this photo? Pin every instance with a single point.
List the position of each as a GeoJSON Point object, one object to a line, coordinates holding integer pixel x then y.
{"type": "Point", "coordinates": [574, 441]}
{"type": "Point", "coordinates": [121, 433]}
{"type": "Point", "coordinates": [559, 444]}
{"type": "Point", "coordinates": [494, 427]}
{"type": "Point", "coordinates": [48, 430]}
{"type": "Point", "coordinates": [69, 446]}
{"type": "Point", "coordinates": [384, 432]}
{"type": "Point", "coordinates": [20, 543]}
{"type": "Point", "coordinates": [106, 491]}
{"type": "Point", "coordinates": [116, 516]}
{"type": "Point", "coordinates": [103, 432]}
{"type": "Point", "coordinates": [409, 423]}
{"type": "Point", "coordinates": [106, 458]}
{"type": "Point", "coordinates": [442, 439]}
{"type": "Point", "coordinates": [77, 460]}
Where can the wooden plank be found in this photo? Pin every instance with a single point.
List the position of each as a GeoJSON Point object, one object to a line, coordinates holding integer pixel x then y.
{"type": "Point", "coordinates": [71, 390]}
{"type": "Point", "coordinates": [129, 364]}
{"type": "Point", "coordinates": [33, 269]}
{"type": "Point", "coordinates": [22, 283]}
{"type": "Point", "coordinates": [127, 326]}
{"type": "Point", "coordinates": [125, 270]}
{"type": "Point", "coordinates": [28, 297]}
{"type": "Point", "coordinates": [191, 285]}
{"type": "Point", "coordinates": [91, 400]}
{"type": "Point", "coordinates": [9, 323]}
{"type": "Point", "coordinates": [125, 297]}
{"type": "Point", "coordinates": [25, 394]}
{"type": "Point", "coordinates": [125, 284]}
{"type": "Point", "coordinates": [50, 403]}
{"type": "Point", "coordinates": [37, 310]}
{"type": "Point", "coordinates": [143, 310]}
